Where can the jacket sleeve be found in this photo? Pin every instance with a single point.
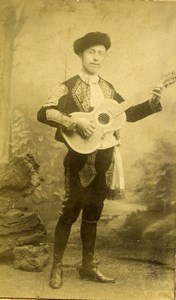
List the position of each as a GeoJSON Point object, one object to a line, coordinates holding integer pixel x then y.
{"type": "Point", "coordinates": [142, 110]}
{"type": "Point", "coordinates": [139, 111]}
{"type": "Point", "coordinates": [50, 113]}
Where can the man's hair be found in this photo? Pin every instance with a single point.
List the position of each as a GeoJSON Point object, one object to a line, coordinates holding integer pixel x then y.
{"type": "Point", "coordinates": [91, 39]}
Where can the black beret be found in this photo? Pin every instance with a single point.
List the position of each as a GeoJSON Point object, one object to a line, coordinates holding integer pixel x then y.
{"type": "Point", "coordinates": [91, 39]}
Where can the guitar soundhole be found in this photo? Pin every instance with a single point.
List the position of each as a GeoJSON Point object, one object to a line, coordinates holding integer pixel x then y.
{"type": "Point", "coordinates": [103, 118]}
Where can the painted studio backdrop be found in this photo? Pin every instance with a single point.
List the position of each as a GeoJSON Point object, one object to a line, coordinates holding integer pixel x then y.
{"type": "Point", "coordinates": [36, 55]}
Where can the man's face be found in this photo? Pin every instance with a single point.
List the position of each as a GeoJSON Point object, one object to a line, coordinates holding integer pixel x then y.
{"type": "Point", "coordinates": [92, 59]}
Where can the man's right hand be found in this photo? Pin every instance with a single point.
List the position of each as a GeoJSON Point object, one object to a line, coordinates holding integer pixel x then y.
{"type": "Point", "coordinates": [85, 127]}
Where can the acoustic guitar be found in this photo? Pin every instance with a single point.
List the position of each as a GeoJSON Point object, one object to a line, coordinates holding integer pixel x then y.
{"type": "Point", "coordinates": [108, 117]}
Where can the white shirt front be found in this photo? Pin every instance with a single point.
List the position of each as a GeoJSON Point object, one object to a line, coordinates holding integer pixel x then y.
{"type": "Point", "coordinates": [97, 96]}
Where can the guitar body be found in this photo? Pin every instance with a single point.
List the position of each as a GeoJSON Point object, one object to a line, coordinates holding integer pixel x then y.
{"type": "Point", "coordinates": [106, 118]}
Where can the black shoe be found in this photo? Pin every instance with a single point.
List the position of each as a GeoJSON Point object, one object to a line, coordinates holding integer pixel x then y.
{"type": "Point", "coordinates": [56, 276]}
{"type": "Point", "coordinates": [94, 274]}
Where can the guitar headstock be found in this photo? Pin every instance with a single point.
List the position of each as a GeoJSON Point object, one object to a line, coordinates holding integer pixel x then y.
{"type": "Point", "coordinates": [167, 80]}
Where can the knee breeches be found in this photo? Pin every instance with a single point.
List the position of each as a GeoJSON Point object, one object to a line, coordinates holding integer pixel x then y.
{"type": "Point", "coordinates": [89, 200]}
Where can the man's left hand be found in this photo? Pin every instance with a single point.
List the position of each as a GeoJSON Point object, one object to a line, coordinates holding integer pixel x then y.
{"type": "Point", "coordinates": [154, 101]}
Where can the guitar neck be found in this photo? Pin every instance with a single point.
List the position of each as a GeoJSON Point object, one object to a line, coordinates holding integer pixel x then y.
{"type": "Point", "coordinates": [145, 96]}
{"type": "Point", "coordinates": [166, 81]}
{"type": "Point", "coordinates": [123, 107]}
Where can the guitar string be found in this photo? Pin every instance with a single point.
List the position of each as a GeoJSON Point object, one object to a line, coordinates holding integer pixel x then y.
{"type": "Point", "coordinates": [164, 84]}
{"type": "Point", "coordinates": [124, 106]}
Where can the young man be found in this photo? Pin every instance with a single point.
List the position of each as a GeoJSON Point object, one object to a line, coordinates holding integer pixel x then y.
{"type": "Point", "coordinates": [85, 174]}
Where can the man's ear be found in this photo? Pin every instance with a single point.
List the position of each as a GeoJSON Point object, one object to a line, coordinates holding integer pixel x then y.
{"type": "Point", "coordinates": [80, 55]}
{"type": "Point", "coordinates": [106, 54]}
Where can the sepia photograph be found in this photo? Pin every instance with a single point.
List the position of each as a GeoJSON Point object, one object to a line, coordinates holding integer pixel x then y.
{"type": "Point", "coordinates": [87, 149]}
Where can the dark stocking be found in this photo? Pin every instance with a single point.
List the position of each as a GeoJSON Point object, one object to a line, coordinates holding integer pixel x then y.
{"type": "Point", "coordinates": [88, 236]}
{"type": "Point", "coordinates": [62, 233]}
